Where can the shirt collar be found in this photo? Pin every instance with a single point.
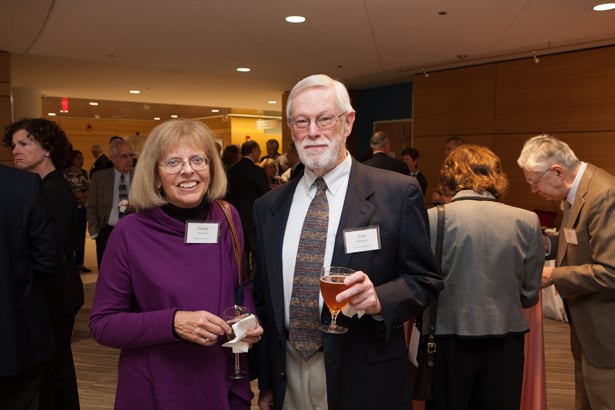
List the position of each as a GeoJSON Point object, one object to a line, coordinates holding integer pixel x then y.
{"type": "Point", "coordinates": [572, 194]}
{"type": "Point", "coordinates": [333, 178]}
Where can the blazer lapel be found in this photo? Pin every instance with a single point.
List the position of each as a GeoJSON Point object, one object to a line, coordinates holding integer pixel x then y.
{"type": "Point", "coordinates": [359, 214]}
{"type": "Point", "coordinates": [575, 209]}
{"type": "Point", "coordinates": [274, 234]}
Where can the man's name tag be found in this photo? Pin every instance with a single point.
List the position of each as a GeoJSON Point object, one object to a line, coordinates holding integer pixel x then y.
{"type": "Point", "coordinates": [201, 232]}
{"type": "Point", "coordinates": [362, 239]}
{"type": "Point", "coordinates": [571, 236]}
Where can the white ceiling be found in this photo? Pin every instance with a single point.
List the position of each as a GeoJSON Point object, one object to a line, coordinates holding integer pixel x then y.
{"type": "Point", "coordinates": [186, 51]}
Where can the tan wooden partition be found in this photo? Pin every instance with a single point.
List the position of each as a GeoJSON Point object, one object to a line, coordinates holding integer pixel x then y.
{"type": "Point", "coordinates": [500, 105]}
{"type": "Point", "coordinates": [6, 111]}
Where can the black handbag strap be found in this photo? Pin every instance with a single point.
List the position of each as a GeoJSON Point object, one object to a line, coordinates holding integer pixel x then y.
{"type": "Point", "coordinates": [433, 311]}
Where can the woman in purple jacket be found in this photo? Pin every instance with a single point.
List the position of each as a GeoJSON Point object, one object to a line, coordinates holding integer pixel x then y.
{"type": "Point", "coordinates": [168, 273]}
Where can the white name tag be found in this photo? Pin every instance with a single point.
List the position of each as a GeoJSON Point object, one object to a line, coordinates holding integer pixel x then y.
{"type": "Point", "coordinates": [201, 232]}
{"type": "Point", "coordinates": [571, 236]}
{"type": "Point", "coordinates": [362, 239]}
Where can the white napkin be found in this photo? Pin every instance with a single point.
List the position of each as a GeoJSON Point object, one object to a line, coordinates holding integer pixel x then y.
{"type": "Point", "coordinates": [350, 311]}
{"type": "Point", "coordinates": [240, 328]}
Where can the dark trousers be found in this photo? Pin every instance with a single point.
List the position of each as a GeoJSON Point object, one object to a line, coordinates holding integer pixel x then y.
{"type": "Point", "coordinates": [101, 242]}
{"type": "Point", "coordinates": [478, 374]}
{"type": "Point", "coordinates": [59, 384]}
{"type": "Point", "coordinates": [21, 391]}
{"type": "Point", "coordinates": [82, 216]}
{"type": "Point", "coordinates": [249, 243]}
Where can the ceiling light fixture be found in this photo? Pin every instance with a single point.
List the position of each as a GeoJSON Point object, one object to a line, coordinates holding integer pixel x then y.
{"type": "Point", "coordinates": [272, 102]}
{"type": "Point", "coordinates": [425, 73]}
{"type": "Point", "coordinates": [604, 7]}
{"type": "Point", "coordinates": [244, 69]}
{"type": "Point", "coordinates": [174, 116]}
{"type": "Point", "coordinates": [215, 110]}
{"type": "Point", "coordinates": [156, 118]}
{"type": "Point", "coordinates": [295, 19]}
{"type": "Point", "coordinates": [134, 92]}
{"type": "Point", "coordinates": [51, 114]}
{"type": "Point", "coordinates": [536, 59]}
{"type": "Point", "coordinates": [94, 103]}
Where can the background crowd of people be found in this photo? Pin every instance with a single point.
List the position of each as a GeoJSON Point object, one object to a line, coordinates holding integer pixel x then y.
{"type": "Point", "coordinates": [173, 254]}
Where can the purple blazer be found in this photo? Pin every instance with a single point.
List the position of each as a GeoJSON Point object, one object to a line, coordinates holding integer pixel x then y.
{"type": "Point", "coordinates": [147, 273]}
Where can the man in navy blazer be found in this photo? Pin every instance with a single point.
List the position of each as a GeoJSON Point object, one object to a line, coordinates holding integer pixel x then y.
{"type": "Point", "coordinates": [247, 181]}
{"type": "Point", "coordinates": [381, 146]}
{"type": "Point", "coordinates": [394, 279]}
{"type": "Point", "coordinates": [29, 259]}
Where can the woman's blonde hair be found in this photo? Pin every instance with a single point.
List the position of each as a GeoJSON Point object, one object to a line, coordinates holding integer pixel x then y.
{"type": "Point", "coordinates": [266, 162]}
{"type": "Point", "coordinates": [473, 167]}
{"type": "Point", "coordinates": [144, 189]}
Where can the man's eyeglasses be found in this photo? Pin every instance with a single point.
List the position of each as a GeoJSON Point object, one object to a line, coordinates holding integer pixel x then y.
{"type": "Point", "coordinates": [537, 180]}
{"type": "Point", "coordinates": [175, 165]}
{"type": "Point", "coordinates": [323, 122]}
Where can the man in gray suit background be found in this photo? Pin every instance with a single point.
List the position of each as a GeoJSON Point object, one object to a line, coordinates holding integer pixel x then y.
{"type": "Point", "coordinates": [584, 272]}
{"type": "Point", "coordinates": [104, 202]}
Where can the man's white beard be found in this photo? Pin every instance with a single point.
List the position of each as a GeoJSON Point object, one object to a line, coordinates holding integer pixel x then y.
{"type": "Point", "coordinates": [326, 158]}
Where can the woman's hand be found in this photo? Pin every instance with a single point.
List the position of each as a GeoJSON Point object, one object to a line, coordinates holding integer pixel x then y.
{"type": "Point", "coordinates": [201, 327]}
{"type": "Point", "coordinates": [265, 400]}
{"type": "Point", "coordinates": [253, 335]}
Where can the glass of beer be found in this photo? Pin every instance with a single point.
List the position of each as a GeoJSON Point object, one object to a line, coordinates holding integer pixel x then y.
{"type": "Point", "coordinates": [332, 283]}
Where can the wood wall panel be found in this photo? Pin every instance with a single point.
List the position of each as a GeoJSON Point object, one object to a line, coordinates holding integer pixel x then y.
{"type": "Point", "coordinates": [563, 93]}
{"type": "Point", "coordinates": [571, 96]}
{"type": "Point", "coordinates": [454, 102]}
{"type": "Point", "coordinates": [85, 132]}
{"type": "Point", "coordinates": [6, 110]}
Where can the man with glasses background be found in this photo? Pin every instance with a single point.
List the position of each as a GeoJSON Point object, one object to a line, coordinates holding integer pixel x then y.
{"type": "Point", "coordinates": [368, 366]}
{"type": "Point", "coordinates": [584, 272]}
{"type": "Point", "coordinates": [105, 206]}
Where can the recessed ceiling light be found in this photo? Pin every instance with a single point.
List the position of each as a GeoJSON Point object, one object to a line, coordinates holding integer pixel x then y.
{"type": "Point", "coordinates": [134, 92]}
{"type": "Point", "coordinates": [51, 114]}
{"type": "Point", "coordinates": [295, 19]}
{"type": "Point", "coordinates": [93, 103]}
{"type": "Point", "coordinates": [243, 69]}
{"type": "Point", "coordinates": [156, 118]}
{"type": "Point", "coordinates": [215, 110]}
{"type": "Point", "coordinates": [272, 102]}
{"type": "Point", "coordinates": [604, 7]}
{"type": "Point", "coordinates": [174, 116]}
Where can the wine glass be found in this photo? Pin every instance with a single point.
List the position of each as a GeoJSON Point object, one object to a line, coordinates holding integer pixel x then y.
{"type": "Point", "coordinates": [332, 283]}
{"type": "Point", "coordinates": [234, 314]}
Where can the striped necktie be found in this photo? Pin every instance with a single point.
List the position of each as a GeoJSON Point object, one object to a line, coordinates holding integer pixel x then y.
{"type": "Point", "coordinates": [304, 314]}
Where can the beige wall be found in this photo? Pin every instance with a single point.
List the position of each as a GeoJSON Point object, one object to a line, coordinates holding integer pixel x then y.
{"type": "Point", "coordinates": [500, 105]}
